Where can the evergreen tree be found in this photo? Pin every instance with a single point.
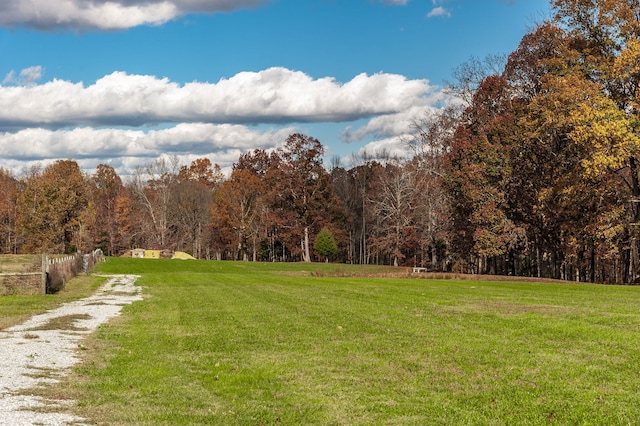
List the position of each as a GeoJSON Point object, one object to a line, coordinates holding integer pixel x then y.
{"type": "Point", "coordinates": [325, 244]}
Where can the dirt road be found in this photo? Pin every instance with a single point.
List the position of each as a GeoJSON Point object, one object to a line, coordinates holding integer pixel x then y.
{"type": "Point", "coordinates": [43, 349]}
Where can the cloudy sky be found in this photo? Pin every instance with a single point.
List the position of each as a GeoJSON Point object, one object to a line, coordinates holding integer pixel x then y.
{"type": "Point", "coordinates": [125, 81]}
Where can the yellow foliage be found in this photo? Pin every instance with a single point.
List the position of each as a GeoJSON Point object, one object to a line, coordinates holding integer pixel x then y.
{"type": "Point", "coordinates": [604, 134]}
{"type": "Point", "coordinates": [627, 64]}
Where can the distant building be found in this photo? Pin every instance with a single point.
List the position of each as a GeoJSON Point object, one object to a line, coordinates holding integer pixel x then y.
{"type": "Point", "coordinates": [138, 252]}
{"type": "Point", "coordinates": [157, 254]}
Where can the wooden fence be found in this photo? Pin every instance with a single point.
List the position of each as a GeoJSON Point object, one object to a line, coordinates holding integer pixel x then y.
{"type": "Point", "coordinates": [49, 274]}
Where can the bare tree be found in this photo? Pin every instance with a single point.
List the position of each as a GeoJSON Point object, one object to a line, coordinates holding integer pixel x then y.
{"type": "Point", "coordinates": [430, 142]}
{"type": "Point", "coordinates": [190, 212]}
{"type": "Point", "coordinates": [472, 72]}
{"type": "Point", "coordinates": [152, 186]}
{"type": "Point", "coordinates": [362, 173]}
{"type": "Point", "coordinates": [393, 207]}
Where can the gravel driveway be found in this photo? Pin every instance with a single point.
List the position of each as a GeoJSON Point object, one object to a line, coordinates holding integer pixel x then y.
{"type": "Point", "coordinates": [35, 352]}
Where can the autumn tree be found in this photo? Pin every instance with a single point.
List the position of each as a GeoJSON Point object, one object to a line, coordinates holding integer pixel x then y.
{"type": "Point", "coordinates": [257, 162]}
{"type": "Point", "coordinates": [201, 170]}
{"type": "Point", "coordinates": [301, 191]}
{"type": "Point", "coordinates": [106, 187]}
{"type": "Point", "coordinates": [51, 207]}
{"type": "Point", "coordinates": [9, 193]}
{"type": "Point", "coordinates": [259, 169]}
{"type": "Point", "coordinates": [542, 169]}
{"type": "Point", "coordinates": [603, 39]}
{"type": "Point", "coordinates": [190, 212]}
{"type": "Point", "coordinates": [345, 191]}
{"type": "Point", "coordinates": [469, 75]}
{"type": "Point", "coordinates": [133, 226]}
{"type": "Point", "coordinates": [576, 75]}
{"type": "Point", "coordinates": [239, 212]}
{"type": "Point", "coordinates": [478, 175]}
{"type": "Point", "coordinates": [191, 197]}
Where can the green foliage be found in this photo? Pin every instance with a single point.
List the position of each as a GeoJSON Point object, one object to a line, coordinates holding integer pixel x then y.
{"type": "Point", "coordinates": [239, 343]}
{"type": "Point", "coordinates": [325, 244]}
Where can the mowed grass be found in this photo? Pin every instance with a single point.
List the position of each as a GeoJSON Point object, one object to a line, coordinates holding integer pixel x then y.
{"type": "Point", "coordinates": [17, 309]}
{"type": "Point", "coordinates": [225, 343]}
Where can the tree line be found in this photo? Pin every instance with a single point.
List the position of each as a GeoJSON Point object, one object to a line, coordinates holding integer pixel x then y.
{"type": "Point", "coordinates": [542, 165]}
{"type": "Point", "coordinates": [534, 172]}
{"type": "Point", "coordinates": [283, 205]}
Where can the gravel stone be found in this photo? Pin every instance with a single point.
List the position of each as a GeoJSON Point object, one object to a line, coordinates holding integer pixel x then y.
{"type": "Point", "coordinates": [29, 351]}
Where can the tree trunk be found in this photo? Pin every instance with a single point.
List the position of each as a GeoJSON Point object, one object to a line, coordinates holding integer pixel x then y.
{"type": "Point", "coordinates": [434, 258]}
{"type": "Point", "coordinates": [635, 206]}
{"type": "Point", "coordinates": [306, 254]}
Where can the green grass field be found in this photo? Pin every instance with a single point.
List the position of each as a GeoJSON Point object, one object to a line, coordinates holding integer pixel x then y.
{"type": "Point", "coordinates": [226, 343]}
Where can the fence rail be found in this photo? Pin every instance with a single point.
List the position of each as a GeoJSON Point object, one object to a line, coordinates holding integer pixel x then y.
{"type": "Point", "coordinates": [49, 274]}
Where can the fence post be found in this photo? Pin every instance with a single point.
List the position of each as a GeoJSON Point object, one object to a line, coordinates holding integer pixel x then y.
{"type": "Point", "coordinates": [43, 280]}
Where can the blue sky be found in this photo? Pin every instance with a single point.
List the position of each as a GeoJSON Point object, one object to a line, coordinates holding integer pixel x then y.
{"type": "Point", "coordinates": [125, 81]}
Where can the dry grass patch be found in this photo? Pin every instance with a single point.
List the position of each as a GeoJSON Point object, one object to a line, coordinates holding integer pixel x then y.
{"type": "Point", "coordinates": [11, 263]}
{"type": "Point", "coordinates": [30, 336]}
{"type": "Point", "coordinates": [66, 322]}
{"type": "Point", "coordinates": [41, 373]}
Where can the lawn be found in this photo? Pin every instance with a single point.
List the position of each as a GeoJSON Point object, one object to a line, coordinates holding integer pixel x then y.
{"type": "Point", "coordinates": [229, 343]}
{"type": "Point", "coordinates": [16, 309]}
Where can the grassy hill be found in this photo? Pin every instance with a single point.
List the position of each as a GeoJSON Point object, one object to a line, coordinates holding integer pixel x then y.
{"type": "Point", "coordinates": [234, 343]}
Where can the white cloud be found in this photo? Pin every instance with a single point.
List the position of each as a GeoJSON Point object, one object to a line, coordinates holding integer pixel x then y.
{"type": "Point", "coordinates": [127, 148]}
{"type": "Point", "coordinates": [107, 14]}
{"type": "Point", "coordinates": [385, 148]}
{"type": "Point", "coordinates": [27, 76]}
{"type": "Point", "coordinates": [193, 138]}
{"type": "Point", "coordinates": [389, 125]}
{"type": "Point", "coordinates": [10, 78]}
{"type": "Point", "coordinates": [438, 11]}
{"type": "Point", "coordinates": [389, 132]}
{"type": "Point", "coordinates": [128, 120]}
{"type": "Point", "coordinates": [275, 95]}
